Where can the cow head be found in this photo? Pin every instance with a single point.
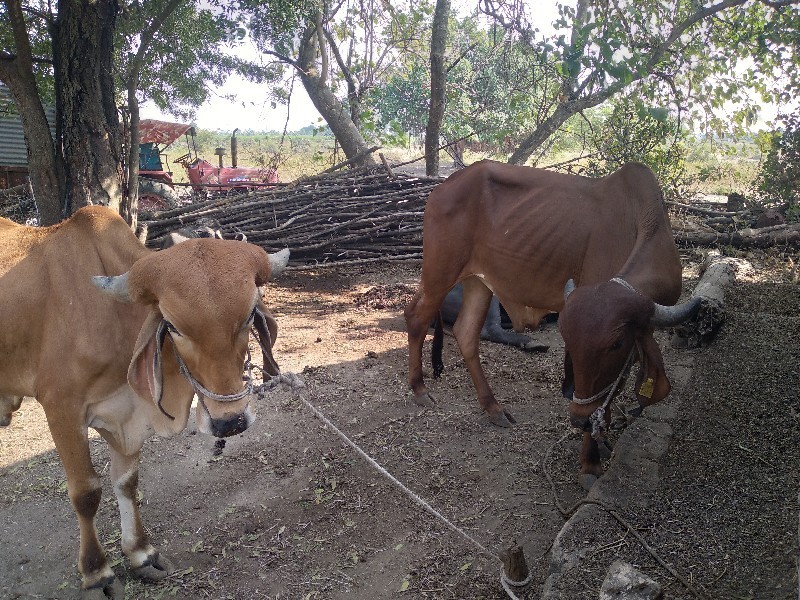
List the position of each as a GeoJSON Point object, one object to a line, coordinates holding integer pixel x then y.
{"type": "Point", "coordinates": [203, 300]}
{"type": "Point", "coordinates": [606, 328]}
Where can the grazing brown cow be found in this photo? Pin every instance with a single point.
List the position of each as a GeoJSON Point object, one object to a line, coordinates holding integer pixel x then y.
{"type": "Point", "coordinates": [522, 234]}
{"type": "Point", "coordinates": [109, 335]}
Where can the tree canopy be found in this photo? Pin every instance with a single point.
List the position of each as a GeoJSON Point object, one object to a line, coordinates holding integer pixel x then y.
{"type": "Point", "coordinates": [372, 72]}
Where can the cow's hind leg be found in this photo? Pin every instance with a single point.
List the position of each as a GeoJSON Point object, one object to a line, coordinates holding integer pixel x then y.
{"type": "Point", "coordinates": [467, 330]}
{"type": "Point", "coordinates": [145, 560]}
{"type": "Point", "coordinates": [419, 313]}
{"type": "Point", "coordinates": [84, 488]}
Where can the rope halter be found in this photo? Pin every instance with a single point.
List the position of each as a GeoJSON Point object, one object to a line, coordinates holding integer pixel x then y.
{"type": "Point", "coordinates": [164, 330]}
{"type": "Point", "coordinates": [598, 417]}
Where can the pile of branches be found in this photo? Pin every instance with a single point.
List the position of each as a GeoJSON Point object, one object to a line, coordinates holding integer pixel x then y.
{"type": "Point", "coordinates": [353, 216]}
{"type": "Point", "coordinates": [17, 204]}
{"type": "Point", "coordinates": [744, 228]}
{"type": "Point", "coordinates": [373, 214]}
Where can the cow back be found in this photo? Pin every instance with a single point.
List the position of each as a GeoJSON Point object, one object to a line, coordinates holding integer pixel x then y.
{"type": "Point", "coordinates": [49, 309]}
{"type": "Point", "coordinates": [526, 231]}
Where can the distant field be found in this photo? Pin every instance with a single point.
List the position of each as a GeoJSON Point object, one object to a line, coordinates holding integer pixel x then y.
{"type": "Point", "coordinates": [712, 168]}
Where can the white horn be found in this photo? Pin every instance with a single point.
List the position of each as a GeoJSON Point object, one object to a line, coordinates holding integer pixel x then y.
{"type": "Point", "coordinates": [569, 287]}
{"type": "Point", "coordinates": [278, 261]}
{"type": "Point", "coordinates": [114, 286]}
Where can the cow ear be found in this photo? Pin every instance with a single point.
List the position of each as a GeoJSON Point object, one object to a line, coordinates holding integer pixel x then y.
{"type": "Point", "coordinates": [568, 384]}
{"type": "Point", "coordinates": [652, 384]}
{"type": "Point", "coordinates": [145, 374]}
{"type": "Point", "coordinates": [266, 331]}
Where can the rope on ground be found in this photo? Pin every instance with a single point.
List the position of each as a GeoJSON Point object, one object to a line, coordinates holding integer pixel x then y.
{"type": "Point", "coordinates": [295, 383]}
{"type": "Point", "coordinates": [567, 513]}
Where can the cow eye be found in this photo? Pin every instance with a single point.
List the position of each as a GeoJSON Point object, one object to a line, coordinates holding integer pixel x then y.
{"type": "Point", "coordinates": [616, 345]}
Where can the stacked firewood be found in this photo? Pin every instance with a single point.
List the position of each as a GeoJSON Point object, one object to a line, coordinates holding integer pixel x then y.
{"type": "Point", "coordinates": [357, 215]}
{"type": "Point", "coordinates": [701, 224]}
{"type": "Point", "coordinates": [374, 214]}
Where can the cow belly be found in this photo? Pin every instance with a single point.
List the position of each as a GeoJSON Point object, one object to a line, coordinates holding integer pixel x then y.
{"type": "Point", "coordinates": [122, 420]}
{"type": "Point", "coordinates": [523, 316]}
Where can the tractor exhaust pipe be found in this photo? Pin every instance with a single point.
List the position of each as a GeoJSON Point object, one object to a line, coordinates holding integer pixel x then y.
{"type": "Point", "coordinates": [220, 152]}
{"type": "Point", "coordinates": [234, 149]}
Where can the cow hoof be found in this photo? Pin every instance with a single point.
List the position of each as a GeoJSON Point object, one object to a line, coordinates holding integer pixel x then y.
{"type": "Point", "coordinates": [425, 400]}
{"type": "Point", "coordinates": [587, 480]}
{"type": "Point", "coordinates": [534, 347]}
{"type": "Point", "coordinates": [113, 589]}
{"type": "Point", "coordinates": [502, 419]}
{"type": "Point", "coordinates": [158, 569]}
{"type": "Point", "coordinates": [604, 448]}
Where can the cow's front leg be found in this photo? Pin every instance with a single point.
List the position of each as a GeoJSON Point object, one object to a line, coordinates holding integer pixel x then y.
{"type": "Point", "coordinates": [84, 488]}
{"type": "Point", "coordinates": [591, 469]}
{"type": "Point", "coordinates": [145, 560]}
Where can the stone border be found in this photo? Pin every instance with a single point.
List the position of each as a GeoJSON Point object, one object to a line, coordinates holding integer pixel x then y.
{"type": "Point", "coordinates": [634, 469]}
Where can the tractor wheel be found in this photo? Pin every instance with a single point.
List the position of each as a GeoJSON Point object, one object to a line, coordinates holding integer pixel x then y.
{"type": "Point", "coordinates": [155, 196]}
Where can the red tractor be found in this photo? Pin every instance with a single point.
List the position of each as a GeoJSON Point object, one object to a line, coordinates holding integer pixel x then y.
{"type": "Point", "coordinates": [156, 187]}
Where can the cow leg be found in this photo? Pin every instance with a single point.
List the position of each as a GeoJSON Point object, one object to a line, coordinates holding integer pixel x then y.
{"type": "Point", "coordinates": [591, 469]}
{"type": "Point", "coordinates": [84, 488]}
{"type": "Point", "coordinates": [467, 330]}
{"type": "Point", "coordinates": [419, 313]}
{"type": "Point", "coordinates": [8, 405]}
{"type": "Point", "coordinates": [145, 560]}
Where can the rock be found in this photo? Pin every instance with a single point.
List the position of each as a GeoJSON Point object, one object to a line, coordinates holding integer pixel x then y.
{"type": "Point", "coordinates": [770, 218]}
{"type": "Point", "coordinates": [624, 582]}
{"type": "Point", "coordinates": [736, 202]}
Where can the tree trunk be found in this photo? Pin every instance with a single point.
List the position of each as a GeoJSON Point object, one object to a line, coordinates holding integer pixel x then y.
{"type": "Point", "coordinates": [17, 73]}
{"type": "Point", "coordinates": [336, 115]}
{"type": "Point", "coordinates": [83, 54]}
{"type": "Point", "coordinates": [438, 87]}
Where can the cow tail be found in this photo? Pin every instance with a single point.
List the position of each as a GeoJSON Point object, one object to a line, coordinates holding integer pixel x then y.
{"type": "Point", "coordinates": [438, 344]}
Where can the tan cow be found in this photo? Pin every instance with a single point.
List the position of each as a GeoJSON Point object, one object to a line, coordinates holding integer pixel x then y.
{"type": "Point", "coordinates": [522, 233]}
{"type": "Point", "coordinates": [109, 335]}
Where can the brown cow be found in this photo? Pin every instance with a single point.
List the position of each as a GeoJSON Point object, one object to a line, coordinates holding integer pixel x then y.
{"type": "Point", "coordinates": [125, 352]}
{"type": "Point", "coordinates": [522, 233]}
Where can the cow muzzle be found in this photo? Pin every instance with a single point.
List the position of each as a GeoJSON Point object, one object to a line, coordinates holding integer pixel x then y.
{"type": "Point", "coordinates": [225, 426]}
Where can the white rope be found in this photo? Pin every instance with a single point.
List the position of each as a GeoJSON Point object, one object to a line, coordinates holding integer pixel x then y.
{"type": "Point", "coordinates": [296, 383]}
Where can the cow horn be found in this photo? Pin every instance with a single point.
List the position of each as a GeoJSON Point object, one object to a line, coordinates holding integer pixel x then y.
{"type": "Point", "coordinates": [114, 286]}
{"type": "Point", "coordinates": [669, 316]}
{"type": "Point", "coordinates": [278, 261]}
{"type": "Point", "coordinates": [569, 287]}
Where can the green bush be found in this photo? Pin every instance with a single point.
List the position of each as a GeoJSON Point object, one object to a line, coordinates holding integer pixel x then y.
{"type": "Point", "coordinates": [635, 132]}
{"type": "Point", "coordinates": [778, 181]}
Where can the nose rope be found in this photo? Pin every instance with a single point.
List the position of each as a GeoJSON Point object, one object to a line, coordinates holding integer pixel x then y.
{"type": "Point", "coordinates": [296, 384]}
{"type": "Point", "coordinates": [598, 417]}
{"type": "Point", "coordinates": [202, 391]}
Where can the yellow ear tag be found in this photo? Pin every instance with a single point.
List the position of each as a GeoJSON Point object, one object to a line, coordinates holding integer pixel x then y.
{"type": "Point", "coordinates": [646, 388]}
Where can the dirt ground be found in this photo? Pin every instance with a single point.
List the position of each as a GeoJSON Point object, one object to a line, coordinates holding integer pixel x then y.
{"type": "Point", "coordinates": [288, 511]}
